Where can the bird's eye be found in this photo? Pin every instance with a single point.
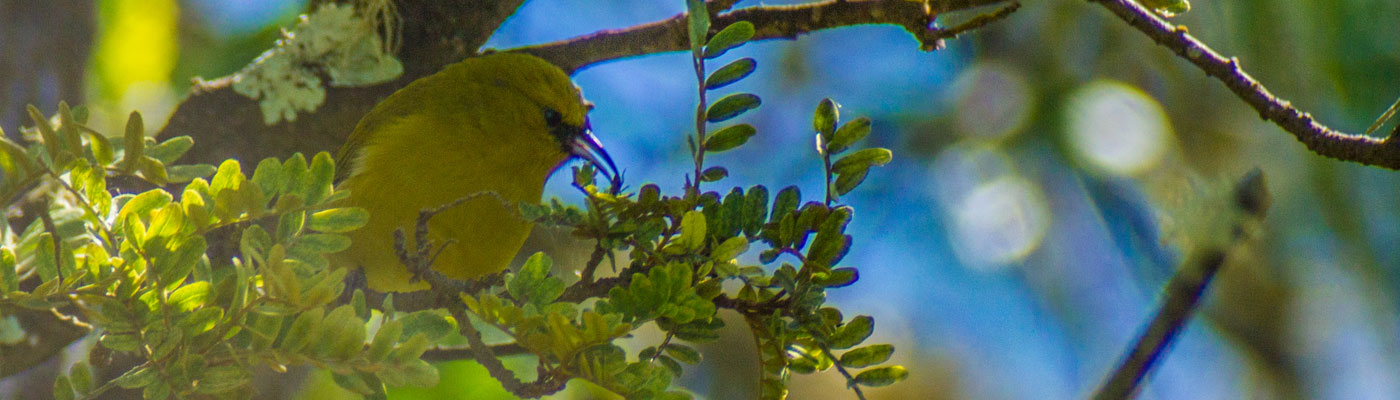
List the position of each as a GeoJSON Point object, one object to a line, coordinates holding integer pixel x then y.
{"type": "Point", "coordinates": [553, 118]}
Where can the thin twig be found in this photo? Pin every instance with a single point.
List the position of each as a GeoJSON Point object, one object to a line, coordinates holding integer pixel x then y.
{"type": "Point", "coordinates": [981, 20]}
{"type": "Point", "coordinates": [1319, 138]}
{"type": "Point", "coordinates": [543, 385]}
{"type": "Point", "coordinates": [850, 379]}
{"type": "Point", "coordinates": [1184, 293]}
{"type": "Point", "coordinates": [459, 353]}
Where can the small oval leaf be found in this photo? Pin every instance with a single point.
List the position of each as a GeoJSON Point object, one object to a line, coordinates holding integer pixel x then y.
{"type": "Point", "coordinates": [729, 138]}
{"type": "Point", "coordinates": [824, 119]}
{"type": "Point", "coordinates": [863, 158]}
{"type": "Point", "coordinates": [739, 69]}
{"type": "Point", "coordinates": [731, 106]}
{"type": "Point", "coordinates": [135, 142]}
{"type": "Point", "coordinates": [882, 376]}
{"type": "Point", "coordinates": [732, 36]}
{"type": "Point", "coordinates": [849, 133]}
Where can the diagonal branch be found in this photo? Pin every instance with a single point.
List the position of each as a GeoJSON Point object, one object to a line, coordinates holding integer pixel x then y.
{"type": "Point", "coordinates": [770, 22]}
{"type": "Point", "coordinates": [1183, 295]}
{"type": "Point", "coordinates": [1317, 137]}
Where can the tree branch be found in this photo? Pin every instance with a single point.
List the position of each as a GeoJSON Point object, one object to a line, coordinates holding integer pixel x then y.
{"type": "Point", "coordinates": [1317, 137]}
{"type": "Point", "coordinates": [1183, 295]}
{"type": "Point", "coordinates": [770, 22]}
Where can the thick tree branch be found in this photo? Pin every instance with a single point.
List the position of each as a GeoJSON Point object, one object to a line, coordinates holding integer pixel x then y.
{"type": "Point", "coordinates": [228, 125]}
{"type": "Point", "coordinates": [770, 22]}
{"type": "Point", "coordinates": [1317, 137]}
{"type": "Point", "coordinates": [46, 333]}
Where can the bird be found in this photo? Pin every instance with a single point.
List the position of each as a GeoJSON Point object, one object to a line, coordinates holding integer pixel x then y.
{"type": "Point", "coordinates": [490, 129]}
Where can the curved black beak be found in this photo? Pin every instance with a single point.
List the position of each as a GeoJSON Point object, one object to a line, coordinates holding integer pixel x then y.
{"type": "Point", "coordinates": [587, 147]}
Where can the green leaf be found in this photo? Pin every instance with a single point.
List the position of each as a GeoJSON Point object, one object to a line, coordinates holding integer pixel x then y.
{"type": "Point", "coordinates": [306, 327]}
{"type": "Point", "coordinates": [355, 383]}
{"type": "Point", "coordinates": [189, 297]}
{"type": "Point", "coordinates": [785, 203]}
{"type": "Point", "coordinates": [137, 377]}
{"type": "Point", "coordinates": [412, 348]}
{"type": "Point", "coordinates": [731, 106]}
{"type": "Point", "coordinates": [838, 277]}
{"type": "Point", "coordinates": [863, 158]}
{"type": "Point", "coordinates": [728, 74]}
{"type": "Point", "coordinates": [101, 147]}
{"type": "Point", "coordinates": [158, 390]}
{"type": "Point", "coordinates": [63, 388]}
{"type": "Point", "coordinates": [9, 282]}
{"type": "Point", "coordinates": [319, 184]}
{"type": "Point", "coordinates": [338, 220]}
{"type": "Point", "coordinates": [755, 210]}
{"type": "Point", "coordinates": [81, 376]}
{"type": "Point", "coordinates": [671, 365]}
{"type": "Point", "coordinates": [882, 376]}
{"type": "Point", "coordinates": [849, 133]}
{"type": "Point", "coordinates": [153, 169]}
{"type": "Point", "coordinates": [699, 22]}
{"type": "Point", "coordinates": [68, 131]}
{"type": "Point", "coordinates": [866, 356]}
{"type": "Point", "coordinates": [848, 179]}
{"type": "Point", "coordinates": [186, 173]}
{"type": "Point", "coordinates": [420, 374]}
{"type": "Point", "coordinates": [852, 333]}
{"type": "Point", "coordinates": [223, 378]}
{"type": "Point", "coordinates": [143, 204]}
{"type": "Point", "coordinates": [824, 119]}
{"type": "Point", "coordinates": [729, 138]}
{"type": "Point", "coordinates": [182, 261]}
{"type": "Point", "coordinates": [16, 155]}
{"type": "Point", "coordinates": [228, 176]}
{"type": "Point", "coordinates": [683, 353]}
{"type": "Point", "coordinates": [384, 340]}
{"type": "Point", "coordinates": [533, 284]}
{"type": "Point", "coordinates": [730, 37]}
{"type": "Point", "coordinates": [80, 114]}
{"type": "Point", "coordinates": [731, 248]}
{"type": "Point", "coordinates": [289, 225]}
{"type": "Point", "coordinates": [270, 177]}
{"type": "Point", "coordinates": [432, 324]}
{"type": "Point", "coordinates": [692, 230]}
{"type": "Point", "coordinates": [324, 243]}
{"type": "Point", "coordinates": [349, 334]}
{"type": "Point", "coordinates": [203, 319]}
{"type": "Point", "coordinates": [123, 342]}
{"type": "Point", "coordinates": [171, 149]}
{"type": "Point", "coordinates": [135, 142]}
{"type": "Point", "coordinates": [713, 174]}
{"type": "Point", "coordinates": [831, 242]}
{"type": "Point", "coordinates": [52, 144]}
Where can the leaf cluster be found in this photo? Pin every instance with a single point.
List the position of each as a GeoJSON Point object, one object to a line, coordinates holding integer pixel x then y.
{"type": "Point", "coordinates": [142, 268]}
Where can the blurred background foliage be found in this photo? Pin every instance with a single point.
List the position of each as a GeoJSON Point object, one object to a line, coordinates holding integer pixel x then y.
{"type": "Point", "coordinates": [1050, 172]}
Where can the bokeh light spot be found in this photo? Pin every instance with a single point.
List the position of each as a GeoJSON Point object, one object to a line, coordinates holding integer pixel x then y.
{"type": "Point", "coordinates": [1116, 127]}
{"type": "Point", "coordinates": [137, 45]}
{"type": "Point", "coordinates": [993, 101]}
{"type": "Point", "coordinates": [999, 223]}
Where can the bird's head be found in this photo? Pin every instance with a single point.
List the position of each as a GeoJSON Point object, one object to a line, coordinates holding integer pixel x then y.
{"type": "Point", "coordinates": [562, 107]}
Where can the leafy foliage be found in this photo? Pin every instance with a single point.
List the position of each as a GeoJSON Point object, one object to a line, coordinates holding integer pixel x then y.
{"type": "Point", "coordinates": [233, 273]}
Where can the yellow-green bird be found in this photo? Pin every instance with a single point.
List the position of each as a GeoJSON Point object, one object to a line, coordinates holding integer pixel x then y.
{"type": "Point", "coordinates": [494, 127]}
